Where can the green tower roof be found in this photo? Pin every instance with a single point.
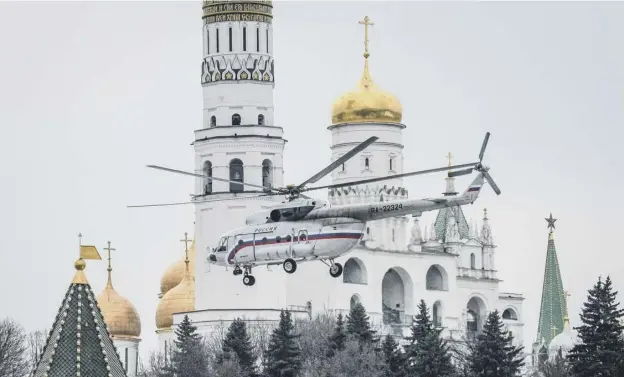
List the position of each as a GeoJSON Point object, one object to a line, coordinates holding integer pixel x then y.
{"type": "Point", "coordinates": [79, 343]}
{"type": "Point", "coordinates": [553, 307]}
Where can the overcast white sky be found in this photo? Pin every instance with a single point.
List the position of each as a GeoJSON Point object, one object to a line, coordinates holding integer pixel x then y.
{"type": "Point", "coordinates": [92, 92]}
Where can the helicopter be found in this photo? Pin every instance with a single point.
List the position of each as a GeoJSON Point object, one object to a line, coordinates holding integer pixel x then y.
{"type": "Point", "coordinates": [302, 229]}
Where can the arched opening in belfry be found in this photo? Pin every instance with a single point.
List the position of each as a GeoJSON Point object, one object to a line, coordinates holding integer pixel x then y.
{"type": "Point", "coordinates": [236, 174]}
{"type": "Point", "coordinates": [354, 272]}
{"type": "Point", "coordinates": [436, 279]}
{"type": "Point", "coordinates": [355, 299]}
{"type": "Point", "coordinates": [473, 261]}
{"type": "Point", "coordinates": [213, 121]}
{"type": "Point", "coordinates": [510, 314]}
{"type": "Point", "coordinates": [208, 182]}
{"type": "Point", "coordinates": [436, 314]}
{"type": "Point", "coordinates": [397, 293]}
{"type": "Point", "coordinates": [261, 120]}
{"type": "Point", "coordinates": [475, 314]}
{"type": "Point", "coordinates": [236, 120]}
{"type": "Point", "coordinates": [267, 173]}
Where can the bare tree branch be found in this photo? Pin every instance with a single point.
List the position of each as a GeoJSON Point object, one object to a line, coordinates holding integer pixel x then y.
{"type": "Point", "coordinates": [13, 350]}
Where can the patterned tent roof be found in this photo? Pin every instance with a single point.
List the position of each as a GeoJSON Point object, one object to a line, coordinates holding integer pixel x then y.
{"type": "Point", "coordinates": [442, 220]}
{"type": "Point", "coordinates": [553, 306]}
{"type": "Point", "coordinates": [79, 343]}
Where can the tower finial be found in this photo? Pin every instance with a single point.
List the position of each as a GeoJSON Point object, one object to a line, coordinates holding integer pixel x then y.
{"type": "Point", "coordinates": [485, 214]}
{"type": "Point", "coordinates": [551, 222]}
{"type": "Point", "coordinates": [110, 268]}
{"type": "Point", "coordinates": [186, 258]}
{"type": "Point", "coordinates": [366, 22]}
{"type": "Point", "coordinates": [449, 156]}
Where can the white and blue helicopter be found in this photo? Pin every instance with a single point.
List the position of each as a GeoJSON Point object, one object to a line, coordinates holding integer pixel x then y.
{"type": "Point", "coordinates": [302, 229]}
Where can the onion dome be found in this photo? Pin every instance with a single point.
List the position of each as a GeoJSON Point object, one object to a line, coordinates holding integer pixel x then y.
{"type": "Point", "coordinates": [565, 340]}
{"type": "Point", "coordinates": [120, 315]}
{"type": "Point", "coordinates": [367, 103]}
{"type": "Point", "coordinates": [175, 273]}
{"type": "Point", "coordinates": [178, 299]}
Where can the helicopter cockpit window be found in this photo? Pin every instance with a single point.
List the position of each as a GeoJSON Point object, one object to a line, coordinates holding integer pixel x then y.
{"type": "Point", "coordinates": [222, 244]}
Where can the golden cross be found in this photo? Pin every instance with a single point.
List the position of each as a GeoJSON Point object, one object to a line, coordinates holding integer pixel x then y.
{"type": "Point", "coordinates": [449, 156]}
{"type": "Point", "coordinates": [109, 249]}
{"type": "Point", "coordinates": [366, 22]}
{"type": "Point", "coordinates": [186, 241]}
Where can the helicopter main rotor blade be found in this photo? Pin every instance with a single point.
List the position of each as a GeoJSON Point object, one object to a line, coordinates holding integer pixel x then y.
{"type": "Point", "coordinates": [340, 161]}
{"type": "Point", "coordinates": [458, 173]}
{"type": "Point", "coordinates": [385, 178]}
{"type": "Point", "coordinates": [200, 201]}
{"type": "Point", "coordinates": [211, 178]}
{"type": "Point", "coordinates": [485, 141]}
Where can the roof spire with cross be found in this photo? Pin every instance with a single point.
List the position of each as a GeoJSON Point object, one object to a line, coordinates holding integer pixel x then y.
{"type": "Point", "coordinates": [366, 22]}
{"type": "Point", "coordinates": [186, 250]}
{"type": "Point", "coordinates": [108, 249]}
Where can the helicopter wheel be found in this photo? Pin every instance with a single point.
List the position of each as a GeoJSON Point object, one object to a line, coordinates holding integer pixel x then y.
{"type": "Point", "coordinates": [335, 270]}
{"type": "Point", "coordinates": [237, 271]}
{"type": "Point", "coordinates": [290, 265]}
{"type": "Point", "coordinates": [249, 280]}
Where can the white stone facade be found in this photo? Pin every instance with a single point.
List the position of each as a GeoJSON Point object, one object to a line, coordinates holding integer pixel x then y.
{"type": "Point", "coordinates": [387, 273]}
{"type": "Point", "coordinates": [128, 351]}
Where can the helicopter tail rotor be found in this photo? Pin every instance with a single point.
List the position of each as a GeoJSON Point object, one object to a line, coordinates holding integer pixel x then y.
{"type": "Point", "coordinates": [479, 167]}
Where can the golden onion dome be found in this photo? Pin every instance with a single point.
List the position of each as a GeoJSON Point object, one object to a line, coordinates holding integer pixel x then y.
{"type": "Point", "coordinates": [179, 299]}
{"type": "Point", "coordinates": [367, 104]}
{"type": "Point", "coordinates": [175, 273]}
{"type": "Point", "coordinates": [119, 314]}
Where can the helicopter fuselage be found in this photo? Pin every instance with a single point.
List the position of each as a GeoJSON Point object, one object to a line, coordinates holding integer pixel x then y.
{"type": "Point", "coordinates": [272, 243]}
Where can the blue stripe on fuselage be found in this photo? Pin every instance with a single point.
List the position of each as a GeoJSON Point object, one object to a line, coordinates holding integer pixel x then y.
{"type": "Point", "coordinates": [271, 241]}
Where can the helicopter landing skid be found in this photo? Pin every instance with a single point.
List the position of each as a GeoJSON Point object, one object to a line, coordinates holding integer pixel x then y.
{"type": "Point", "coordinates": [335, 268]}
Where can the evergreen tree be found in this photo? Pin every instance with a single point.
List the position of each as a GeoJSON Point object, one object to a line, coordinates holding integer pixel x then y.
{"type": "Point", "coordinates": [358, 324]}
{"type": "Point", "coordinates": [427, 354]}
{"type": "Point", "coordinates": [493, 354]}
{"type": "Point", "coordinates": [600, 350]}
{"type": "Point", "coordinates": [338, 338]}
{"type": "Point", "coordinates": [238, 342]}
{"type": "Point", "coordinates": [557, 367]}
{"type": "Point", "coordinates": [394, 359]}
{"type": "Point", "coordinates": [188, 358]}
{"type": "Point", "coordinates": [283, 354]}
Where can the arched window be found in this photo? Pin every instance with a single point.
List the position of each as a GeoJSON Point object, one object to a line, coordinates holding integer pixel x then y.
{"type": "Point", "coordinates": [236, 174]}
{"type": "Point", "coordinates": [208, 182]}
{"type": "Point", "coordinates": [435, 280]}
{"type": "Point", "coordinates": [267, 174]}
{"type": "Point", "coordinates": [390, 163]}
{"type": "Point", "coordinates": [261, 120]}
{"type": "Point", "coordinates": [236, 119]}
{"type": "Point", "coordinates": [437, 314]}
{"type": "Point", "coordinates": [366, 163]}
{"type": "Point", "coordinates": [244, 38]}
{"type": "Point", "coordinates": [473, 262]}
{"type": "Point", "coordinates": [343, 167]}
{"type": "Point", "coordinates": [258, 39]}
{"type": "Point", "coordinates": [217, 40]}
{"type": "Point", "coordinates": [230, 36]}
{"type": "Point", "coordinates": [510, 314]}
{"type": "Point", "coordinates": [213, 121]}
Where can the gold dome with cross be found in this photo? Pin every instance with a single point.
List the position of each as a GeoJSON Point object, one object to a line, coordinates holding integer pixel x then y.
{"type": "Point", "coordinates": [367, 103]}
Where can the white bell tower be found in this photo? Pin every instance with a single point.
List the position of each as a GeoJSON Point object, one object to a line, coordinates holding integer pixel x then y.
{"type": "Point", "coordinates": [239, 141]}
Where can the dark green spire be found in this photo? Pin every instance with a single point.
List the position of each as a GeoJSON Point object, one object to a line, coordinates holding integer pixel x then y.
{"type": "Point", "coordinates": [553, 308]}
{"type": "Point", "coordinates": [79, 343]}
